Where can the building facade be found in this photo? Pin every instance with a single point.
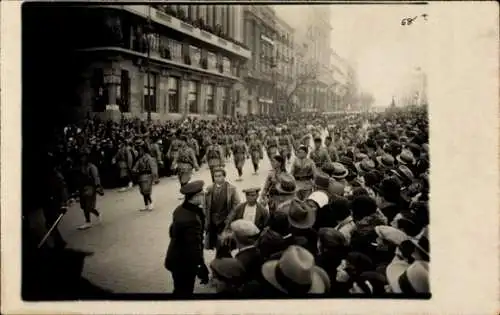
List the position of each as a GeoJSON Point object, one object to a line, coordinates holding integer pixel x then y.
{"type": "Point", "coordinates": [259, 28]}
{"type": "Point", "coordinates": [284, 56]}
{"type": "Point", "coordinates": [312, 31]}
{"type": "Point", "coordinates": [160, 61]}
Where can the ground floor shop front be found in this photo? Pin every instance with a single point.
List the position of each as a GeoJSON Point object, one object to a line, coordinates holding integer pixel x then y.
{"type": "Point", "coordinates": [115, 85]}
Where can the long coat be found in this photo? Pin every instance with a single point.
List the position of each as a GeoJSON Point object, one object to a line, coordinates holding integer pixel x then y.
{"type": "Point", "coordinates": [185, 251]}
{"type": "Point", "coordinates": [232, 200]}
{"type": "Point", "coordinates": [261, 216]}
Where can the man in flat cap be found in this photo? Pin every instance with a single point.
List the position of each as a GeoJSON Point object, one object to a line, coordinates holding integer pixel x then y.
{"type": "Point", "coordinates": [250, 210]}
{"type": "Point", "coordinates": [184, 257]}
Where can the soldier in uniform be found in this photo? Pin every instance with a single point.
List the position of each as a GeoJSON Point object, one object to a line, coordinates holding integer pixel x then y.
{"type": "Point", "coordinates": [146, 170]}
{"type": "Point", "coordinates": [285, 146]}
{"type": "Point", "coordinates": [319, 154]}
{"type": "Point", "coordinates": [229, 141]}
{"type": "Point", "coordinates": [125, 159]}
{"type": "Point", "coordinates": [186, 162]}
{"type": "Point", "coordinates": [173, 153]}
{"type": "Point", "coordinates": [303, 170]}
{"type": "Point", "coordinates": [90, 186]}
{"type": "Point", "coordinates": [269, 195]}
{"type": "Point", "coordinates": [240, 153]}
{"type": "Point", "coordinates": [256, 152]}
{"type": "Point", "coordinates": [214, 156]}
{"type": "Point", "coordinates": [331, 149]}
{"type": "Point", "coordinates": [222, 141]}
{"type": "Point", "coordinates": [271, 145]}
{"type": "Point", "coordinates": [193, 144]}
{"type": "Point", "coordinates": [157, 154]}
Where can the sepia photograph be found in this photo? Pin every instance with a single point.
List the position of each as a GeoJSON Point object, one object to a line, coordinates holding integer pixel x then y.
{"type": "Point", "coordinates": [224, 151]}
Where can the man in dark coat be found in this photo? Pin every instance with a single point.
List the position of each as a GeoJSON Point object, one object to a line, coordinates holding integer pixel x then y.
{"type": "Point", "coordinates": [221, 198]}
{"type": "Point", "coordinates": [184, 257]}
{"type": "Point", "coordinates": [250, 210]}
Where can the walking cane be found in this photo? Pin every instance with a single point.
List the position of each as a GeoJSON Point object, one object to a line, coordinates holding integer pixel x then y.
{"type": "Point", "coordinates": [44, 239]}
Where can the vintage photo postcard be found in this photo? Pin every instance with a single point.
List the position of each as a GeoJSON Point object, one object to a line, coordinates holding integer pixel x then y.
{"type": "Point", "coordinates": [249, 157]}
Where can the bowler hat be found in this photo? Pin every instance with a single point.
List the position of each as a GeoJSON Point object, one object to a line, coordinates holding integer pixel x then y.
{"type": "Point", "coordinates": [385, 160]}
{"type": "Point", "coordinates": [286, 184]}
{"type": "Point", "coordinates": [339, 171]}
{"type": "Point", "coordinates": [406, 157]}
{"type": "Point", "coordinates": [192, 188]}
{"type": "Point", "coordinates": [321, 181]}
{"type": "Point", "coordinates": [365, 165]}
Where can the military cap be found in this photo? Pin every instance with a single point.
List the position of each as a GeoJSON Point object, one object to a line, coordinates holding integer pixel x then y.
{"type": "Point", "coordinates": [192, 188]}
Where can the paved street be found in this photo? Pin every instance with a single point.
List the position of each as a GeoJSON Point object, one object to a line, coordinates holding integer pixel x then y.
{"type": "Point", "coordinates": [129, 246]}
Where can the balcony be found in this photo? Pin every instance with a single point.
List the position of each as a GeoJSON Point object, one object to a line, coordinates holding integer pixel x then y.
{"type": "Point", "coordinates": [165, 19]}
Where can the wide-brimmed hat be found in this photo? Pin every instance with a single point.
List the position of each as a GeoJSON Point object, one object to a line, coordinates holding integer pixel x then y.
{"type": "Point", "coordinates": [321, 180]}
{"type": "Point", "coordinates": [331, 238]}
{"type": "Point", "coordinates": [385, 160]}
{"type": "Point", "coordinates": [229, 270]}
{"type": "Point", "coordinates": [295, 272]}
{"type": "Point", "coordinates": [421, 241]}
{"type": "Point", "coordinates": [300, 215]}
{"type": "Point", "coordinates": [406, 157]}
{"type": "Point", "coordinates": [408, 279]}
{"type": "Point", "coordinates": [340, 171]}
{"type": "Point", "coordinates": [365, 166]}
{"type": "Point", "coordinates": [391, 234]}
{"type": "Point", "coordinates": [404, 173]}
{"type": "Point", "coordinates": [286, 184]}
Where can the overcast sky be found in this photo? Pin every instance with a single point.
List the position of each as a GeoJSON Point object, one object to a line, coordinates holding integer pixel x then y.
{"type": "Point", "coordinates": [382, 51]}
{"type": "Point", "coordinates": [371, 37]}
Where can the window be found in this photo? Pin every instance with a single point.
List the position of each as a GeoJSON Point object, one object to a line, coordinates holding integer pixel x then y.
{"type": "Point", "coordinates": [173, 94]}
{"type": "Point", "coordinates": [210, 99]}
{"type": "Point", "coordinates": [123, 95]}
{"type": "Point", "coordinates": [150, 93]}
{"type": "Point", "coordinates": [192, 97]}
{"type": "Point", "coordinates": [100, 91]}
{"type": "Point", "coordinates": [154, 41]}
{"type": "Point", "coordinates": [226, 65]}
{"type": "Point", "coordinates": [175, 50]}
{"type": "Point", "coordinates": [212, 61]}
{"type": "Point", "coordinates": [195, 53]}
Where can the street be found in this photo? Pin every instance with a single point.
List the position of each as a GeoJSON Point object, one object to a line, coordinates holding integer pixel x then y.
{"type": "Point", "coordinates": [129, 246]}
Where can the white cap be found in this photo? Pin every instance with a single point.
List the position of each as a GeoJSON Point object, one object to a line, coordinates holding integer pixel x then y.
{"type": "Point", "coordinates": [319, 197]}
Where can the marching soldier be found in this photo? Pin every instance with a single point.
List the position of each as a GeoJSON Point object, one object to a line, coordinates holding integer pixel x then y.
{"type": "Point", "coordinates": [319, 154]}
{"type": "Point", "coordinates": [90, 186]}
{"type": "Point", "coordinates": [256, 152]}
{"type": "Point", "coordinates": [271, 144]}
{"type": "Point", "coordinates": [285, 146]}
{"type": "Point", "coordinates": [303, 169]}
{"type": "Point", "coordinates": [240, 153]}
{"type": "Point", "coordinates": [193, 144]}
{"type": "Point", "coordinates": [186, 161]}
{"type": "Point", "coordinates": [214, 156]}
{"type": "Point", "coordinates": [157, 154]}
{"type": "Point", "coordinates": [125, 159]}
{"type": "Point", "coordinates": [146, 170]}
{"type": "Point", "coordinates": [173, 152]}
